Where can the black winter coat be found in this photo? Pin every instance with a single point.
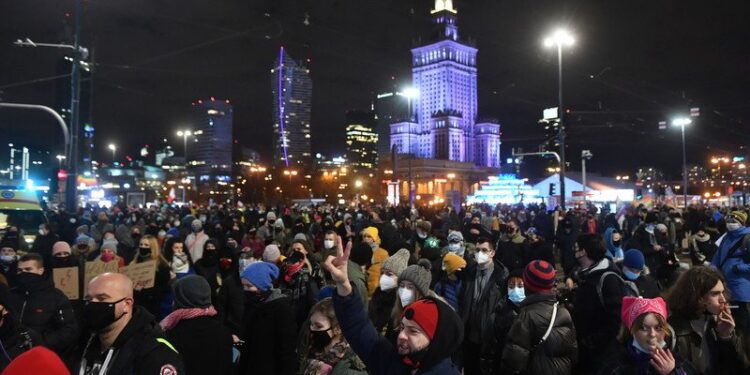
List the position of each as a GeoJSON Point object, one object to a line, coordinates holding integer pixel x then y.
{"type": "Point", "coordinates": [479, 316]}
{"type": "Point", "coordinates": [16, 339]}
{"type": "Point", "coordinates": [141, 348]}
{"type": "Point", "coordinates": [231, 304]}
{"type": "Point", "coordinates": [204, 344]}
{"type": "Point", "coordinates": [270, 336]}
{"type": "Point", "coordinates": [151, 298]}
{"type": "Point", "coordinates": [47, 311]}
{"type": "Point", "coordinates": [723, 356]}
{"type": "Point", "coordinates": [556, 355]}
{"type": "Point", "coordinates": [596, 325]}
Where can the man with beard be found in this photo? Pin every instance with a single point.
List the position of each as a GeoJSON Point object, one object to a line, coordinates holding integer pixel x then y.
{"type": "Point", "coordinates": [126, 338]}
{"type": "Point", "coordinates": [36, 304]}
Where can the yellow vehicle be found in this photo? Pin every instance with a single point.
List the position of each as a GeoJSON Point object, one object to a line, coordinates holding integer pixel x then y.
{"type": "Point", "coordinates": [21, 208]}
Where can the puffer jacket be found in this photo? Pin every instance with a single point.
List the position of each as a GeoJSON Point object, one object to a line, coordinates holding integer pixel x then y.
{"type": "Point", "coordinates": [523, 353]}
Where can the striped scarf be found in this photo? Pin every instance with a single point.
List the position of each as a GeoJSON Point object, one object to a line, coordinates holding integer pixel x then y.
{"type": "Point", "coordinates": [180, 314]}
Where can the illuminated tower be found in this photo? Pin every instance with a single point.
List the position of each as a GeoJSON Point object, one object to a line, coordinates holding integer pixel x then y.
{"type": "Point", "coordinates": [291, 87]}
{"type": "Point", "coordinates": [445, 73]}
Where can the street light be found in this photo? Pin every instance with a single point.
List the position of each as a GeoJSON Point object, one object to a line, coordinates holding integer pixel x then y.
{"type": "Point", "coordinates": [184, 134]}
{"type": "Point", "coordinates": [682, 122]}
{"type": "Point", "coordinates": [60, 158]}
{"type": "Point", "coordinates": [114, 149]}
{"type": "Point", "coordinates": [560, 38]}
{"type": "Point", "coordinates": [410, 93]}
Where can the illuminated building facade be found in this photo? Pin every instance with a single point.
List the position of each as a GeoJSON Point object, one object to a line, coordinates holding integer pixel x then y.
{"type": "Point", "coordinates": [291, 87]}
{"type": "Point", "coordinates": [361, 140]}
{"type": "Point", "coordinates": [446, 125]}
{"type": "Point", "coordinates": [210, 156]}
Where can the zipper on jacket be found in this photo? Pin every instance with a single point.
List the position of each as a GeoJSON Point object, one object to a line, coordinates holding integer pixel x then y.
{"type": "Point", "coordinates": [23, 307]}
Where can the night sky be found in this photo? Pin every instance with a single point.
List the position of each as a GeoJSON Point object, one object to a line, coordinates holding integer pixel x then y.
{"type": "Point", "coordinates": [635, 63]}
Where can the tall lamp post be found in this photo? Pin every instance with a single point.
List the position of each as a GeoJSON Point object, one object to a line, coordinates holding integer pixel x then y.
{"type": "Point", "coordinates": [114, 149]}
{"type": "Point", "coordinates": [410, 93]}
{"type": "Point", "coordinates": [682, 122]}
{"type": "Point", "coordinates": [560, 38]}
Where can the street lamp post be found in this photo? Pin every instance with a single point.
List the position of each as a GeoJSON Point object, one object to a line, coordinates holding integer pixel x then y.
{"type": "Point", "coordinates": [410, 93]}
{"type": "Point", "coordinates": [585, 155]}
{"type": "Point", "coordinates": [114, 149]}
{"type": "Point", "coordinates": [60, 158]}
{"type": "Point", "coordinates": [560, 38]}
{"type": "Point", "coordinates": [682, 122]}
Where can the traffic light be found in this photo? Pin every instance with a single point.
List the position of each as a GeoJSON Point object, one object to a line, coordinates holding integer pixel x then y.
{"type": "Point", "coordinates": [552, 191]}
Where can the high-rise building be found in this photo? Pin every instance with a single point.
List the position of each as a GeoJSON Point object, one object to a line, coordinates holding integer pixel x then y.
{"type": "Point", "coordinates": [446, 126]}
{"type": "Point", "coordinates": [292, 98]}
{"type": "Point", "coordinates": [390, 107]}
{"type": "Point", "coordinates": [210, 156]}
{"type": "Point", "coordinates": [361, 140]}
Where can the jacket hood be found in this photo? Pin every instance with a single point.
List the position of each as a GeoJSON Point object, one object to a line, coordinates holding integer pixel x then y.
{"type": "Point", "coordinates": [448, 336]}
{"type": "Point", "coordinates": [611, 248]}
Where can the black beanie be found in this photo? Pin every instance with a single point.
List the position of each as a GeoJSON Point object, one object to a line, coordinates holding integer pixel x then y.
{"type": "Point", "coordinates": [192, 291]}
{"type": "Point", "coordinates": [448, 337]}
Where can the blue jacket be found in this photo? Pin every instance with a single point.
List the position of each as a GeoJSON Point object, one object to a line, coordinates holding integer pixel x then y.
{"type": "Point", "coordinates": [378, 354]}
{"type": "Point", "coordinates": [613, 252]}
{"type": "Point", "coordinates": [737, 268]}
{"type": "Point", "coordinates": [449, 289]}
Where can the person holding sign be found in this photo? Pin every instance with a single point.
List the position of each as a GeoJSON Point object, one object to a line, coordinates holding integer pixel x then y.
{"type": "Point", "coordinates": [150, 298]}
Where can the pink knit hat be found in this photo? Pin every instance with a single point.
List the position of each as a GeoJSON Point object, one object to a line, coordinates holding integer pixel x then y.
{"type": "Point", "coordinates": [633, 307]}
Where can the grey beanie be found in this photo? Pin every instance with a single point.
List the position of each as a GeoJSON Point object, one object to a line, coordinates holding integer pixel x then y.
{"type": "Point", "coordinates": [397, 262]}
{"type": "Point", "coordinates": [192, 291]}
{"type": "Point", "coordinates": [419, 275]}
{"type": "Point", "coordinates": [109, 244]}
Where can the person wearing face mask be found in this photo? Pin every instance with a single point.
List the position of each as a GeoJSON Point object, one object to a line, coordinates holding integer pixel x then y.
{"type": "Point", "coordinates": [702, 249]}
{"type": "Point", "coordinates": [379, 255]}
{"type": "Point", "coordinates": [704, 323]}
{"type": "Point", "coordinates": [542, 339]}
{"type": "Point", "coordinates": [37, 304]}
{"type": "Point", "coordinates": [474, 230]}
{"type": "Point", "coordinates": [196, 240]}
{"type": "Point", "coordinates": [449, 284]}
{"type": "Point", "coordinates": [650, 240]}
{"type": "Point", "coordinates": [422, 230]}
{"type": "Point", "coordinates": [297, 281]}
{"type": "Point", "coordinates": [356, 276]}
{"type": "Point", "coordinates": [483, 290]}
{"type": "Point", "coordinates": [108, 253]}
{"type": "Point", "coordinates": [733, 260]}
{"type": "Point", "coordinates": [508, 311]}
{"type": "Point", "coordinates": [268, 324]}
{"type": "Point", "coordinates": [413, 285]}
{"type": "Point", "coordinates": [512, 246]}
{"type": "Point", "coordinates": [646, 341]}
{"type": "Point", "coordinates": [346, 228]}
{"type": "Point", "coordinates": [151, 298]}
{"type": "Point", "coordinates": [326, 350]}
{"type": "Point", "coordinates": [613, 239]}
{"type": "Point", "coordinates": [208, 266]}
{"type": "Point", "coordinates": [633, 270]}
{"type": "Point", "coordinates": [44, 241]}
{"type": "Point", "coordinates": [8, 263]}
{"type": "Point", "coordinates": [102, 225]}
{"type": "Point", "coordinates": [125, 338]}
{"type": "Point", "coordinates": [382, 301]}
{"type": "Point", "coordinates": [194, 323]}
{"type": "Point", "coordinates": [16, 338]}
{"type": "Point", "coordinates": [431, 331]}
{"type": "Point", "coordinates": [537, 248]}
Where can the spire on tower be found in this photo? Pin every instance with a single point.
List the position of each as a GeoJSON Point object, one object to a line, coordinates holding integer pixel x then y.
{"type": "Point", "coordinates": [444, 5]}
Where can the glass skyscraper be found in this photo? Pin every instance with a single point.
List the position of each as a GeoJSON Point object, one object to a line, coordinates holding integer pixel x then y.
{"type": "Point", "coordinates": [291, 87]}
{"type": "Point", "coordinates": [210, 157]}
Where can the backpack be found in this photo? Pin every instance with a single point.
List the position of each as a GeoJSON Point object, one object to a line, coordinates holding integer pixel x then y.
{"type": "Point", "coordinates": [628, 287]}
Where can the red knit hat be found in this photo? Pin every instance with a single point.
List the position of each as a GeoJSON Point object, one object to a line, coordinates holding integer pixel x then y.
{"type": "Point", "coordinates": [539, 276]}
{"type": "Point", "coordinates": [425, 313]}
{"type": "Point", "coordinates": [38, 360]}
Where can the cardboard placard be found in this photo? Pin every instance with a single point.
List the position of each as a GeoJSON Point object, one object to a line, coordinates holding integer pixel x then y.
{"type": "Point", "coordinates": [96, 268]}
{"type": "Point", "coordinates": [66, 279]}
{"type": "Point", "coordinates": [142, 274]}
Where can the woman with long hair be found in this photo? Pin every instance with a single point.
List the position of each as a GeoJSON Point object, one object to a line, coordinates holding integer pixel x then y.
{"type": "Point", "coordinates": [703, 323]}
{"type": "Point", "coordinates": [150, 298]}
{"type": "Point", "coordinates": [327, 351]}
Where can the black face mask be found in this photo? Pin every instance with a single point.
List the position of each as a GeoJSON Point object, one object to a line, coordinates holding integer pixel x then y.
{"type": "Point", "coordinates": [320, 339]}
{"type": "Point", "coordinates": [210, 257]}
{"type": "Point", "coordinates": [27, 280]}
{"type": "Point", "coordinates": [100, 315]}
{"type": "Point", "coordinates": [144, 252]}
{"type": "Point", "coordinates": [61, 262]}
{"type": "Point", "coordinates": [256, 298]}
{"type": "Point", "coordinates": [617, 243]}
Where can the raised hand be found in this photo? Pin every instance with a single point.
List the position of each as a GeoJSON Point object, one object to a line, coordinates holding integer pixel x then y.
{"type": "Point", "coordinates": [662, 361]}
{"type": "Point", "coordinates": [337, 267]}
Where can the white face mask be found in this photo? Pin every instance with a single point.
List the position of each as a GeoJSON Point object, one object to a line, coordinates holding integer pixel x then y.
{"type": "Point", "coordinates": [387, 283]}
{"type": "Point", "coordinates": [482, 257]}
{"type": "Point", "coordinates": [456, 248]}
{"type": "Point", "coordinates": [406, 296]}
{"type": "Point", "coordinates": [328, 244]}
{"type": "Point", "coordinates": [422, 235]}
{"type": "Point", "coordinates": [733, 226]}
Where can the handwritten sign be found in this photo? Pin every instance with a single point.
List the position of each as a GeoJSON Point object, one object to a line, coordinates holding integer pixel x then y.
{"type": "Point", "coordinates": [66, 279]}
{"type": "Point", "coordinates": [96, 268]}
{"type": "Point", "coordinates": [142, 274]}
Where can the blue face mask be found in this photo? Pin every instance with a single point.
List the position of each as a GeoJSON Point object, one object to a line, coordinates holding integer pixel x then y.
{"type": "Point", "coordinates": [632, 276]}
{"type": "Point", "coordinates": [516, 295]}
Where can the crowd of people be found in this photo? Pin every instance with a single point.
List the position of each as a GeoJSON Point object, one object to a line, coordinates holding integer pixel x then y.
{"type": "Point", "coordinates": [373, 289]}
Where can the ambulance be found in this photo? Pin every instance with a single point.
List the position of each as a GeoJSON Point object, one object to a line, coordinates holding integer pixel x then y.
{"type": "Point", "coordinates": [21, 208]}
